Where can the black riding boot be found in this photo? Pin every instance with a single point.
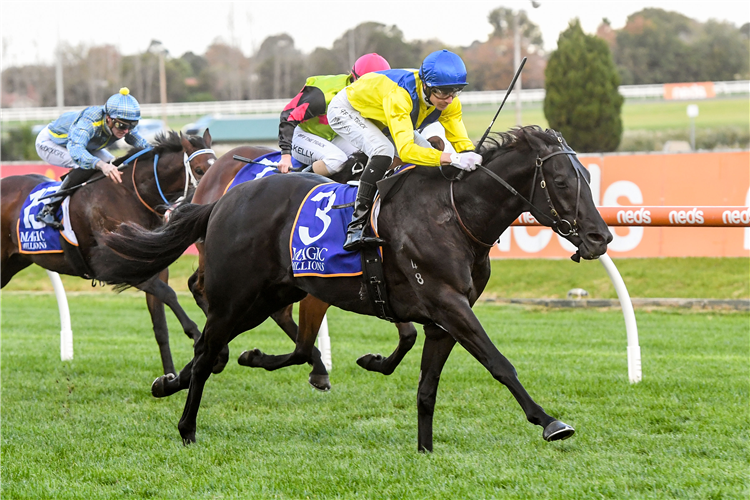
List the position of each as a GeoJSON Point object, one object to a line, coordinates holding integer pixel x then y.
{"type": "Point", "coordinates": [374, 171]}
{"type": "Point", "coordinates": [47, 214]}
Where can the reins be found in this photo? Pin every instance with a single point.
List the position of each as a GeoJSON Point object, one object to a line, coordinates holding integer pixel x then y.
{"type": "Point", "coordinates": [555, 221]}
{"type": "Point", "coordinates": [189, 177]}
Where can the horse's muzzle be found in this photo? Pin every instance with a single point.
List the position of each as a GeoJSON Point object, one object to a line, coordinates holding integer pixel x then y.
{"type": "Point", "coordinates": [593, 244]}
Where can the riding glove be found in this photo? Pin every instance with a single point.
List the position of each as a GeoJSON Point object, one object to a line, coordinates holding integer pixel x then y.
{"type": "Point", "coordinates": [468, 160]}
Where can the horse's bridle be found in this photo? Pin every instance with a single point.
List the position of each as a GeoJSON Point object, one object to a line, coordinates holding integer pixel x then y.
{"type": "Point", "coordinates": [189, 177]}
{"type": "Point", "coordinates": [555, 221]}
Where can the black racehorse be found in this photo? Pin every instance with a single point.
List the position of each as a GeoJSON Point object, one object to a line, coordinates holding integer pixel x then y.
{"type": "Point", "coordinates": [311, 310]}
{"type": "Point", "coordinates": [436, 260]}
{"type": "Point", "coordinates": [147, 189]}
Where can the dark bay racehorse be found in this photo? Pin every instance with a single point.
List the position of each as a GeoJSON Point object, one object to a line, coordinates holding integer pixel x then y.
{"type": "Point", "coordinates": [101, 207]}
{"type": "Point", "coordinates": [312, 310]}
{"type": "Point", "coordinates": [436, 260]}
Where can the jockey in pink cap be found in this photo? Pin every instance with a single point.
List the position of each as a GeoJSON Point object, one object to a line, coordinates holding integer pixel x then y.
{"type": "Point", "coordinates": [303, 129]}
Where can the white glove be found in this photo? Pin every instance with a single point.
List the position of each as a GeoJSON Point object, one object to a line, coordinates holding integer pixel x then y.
{"type": "Point", "coordinates": [110, 171]}
{"type": "Point", "coordinates": [468, 160]}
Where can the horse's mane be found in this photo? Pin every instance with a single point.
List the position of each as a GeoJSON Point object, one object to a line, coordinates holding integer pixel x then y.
{"type": "Point", "coordinates": [516, 139]}
{"type": "Point", "coordinates": [164, 142]}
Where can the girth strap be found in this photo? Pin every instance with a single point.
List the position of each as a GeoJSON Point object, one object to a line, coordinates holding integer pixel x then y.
{"type": "Point", "coordinates": [374, 277]}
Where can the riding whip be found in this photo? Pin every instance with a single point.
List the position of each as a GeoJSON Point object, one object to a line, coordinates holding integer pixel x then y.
{"type": "Point", "coordinates": [510, 88]}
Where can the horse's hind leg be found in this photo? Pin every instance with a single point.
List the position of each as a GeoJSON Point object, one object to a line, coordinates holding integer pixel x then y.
{"type": "Point", "coordinates": [161, 332]}
{"type": "Point", "coordinates": [223, 324]}
{"type": "Point", "coordinates": [196, 283]}
{"type": "Point", "coordinates": [311, 311]}
{"type": "Point", "coordinates": [311, 316]}
{"type": "Point", "coordinates": [10, 267]}
{"type": "Point", "coordinates": [407, 336]}
{"type": "Point", "coordinates": [438, 345]}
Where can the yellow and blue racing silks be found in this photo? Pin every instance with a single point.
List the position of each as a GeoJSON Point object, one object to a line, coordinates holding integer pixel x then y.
{"type": "Point", "coordinates": [393, 99]}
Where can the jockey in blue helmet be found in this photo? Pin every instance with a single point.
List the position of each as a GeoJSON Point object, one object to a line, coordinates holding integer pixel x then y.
{"type": "Point", "coordinates": [400, 102]}
{"type": "Point", "coordinates": [77, 139]}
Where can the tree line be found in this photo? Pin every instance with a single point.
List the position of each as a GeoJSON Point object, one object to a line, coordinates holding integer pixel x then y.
{"type": "Point", "coordinates": [655, 46]}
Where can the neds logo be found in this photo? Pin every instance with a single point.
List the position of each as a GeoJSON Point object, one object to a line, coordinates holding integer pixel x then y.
{"type": "Point", "coordinates": [641, 216]}
{"type": "Point", "coordinates": [693, 216]}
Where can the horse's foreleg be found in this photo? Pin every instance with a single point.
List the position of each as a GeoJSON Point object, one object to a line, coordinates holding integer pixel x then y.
{"type": "Point", "coordinates": [459, 320]}
{"type": "Point", "coordinates": [407, 336]}
{"type": "Point", "coordinates": [438, 345]}
{"type": "Point", "coordinates": [318, 375]}
{"type": "Point", "coordinates": [158, 287]}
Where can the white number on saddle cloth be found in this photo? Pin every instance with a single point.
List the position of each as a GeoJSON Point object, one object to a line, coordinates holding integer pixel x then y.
{"type": "Point", "coordinates": [29, 220]}
{"type": "Point", "coordinates": [304, 231]}
{"type": "Point", "coordinates": [265, 171]}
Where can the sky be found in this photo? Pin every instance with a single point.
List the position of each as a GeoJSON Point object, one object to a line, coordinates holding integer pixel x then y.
{"type": "Point", "coordinates": [30, 30]}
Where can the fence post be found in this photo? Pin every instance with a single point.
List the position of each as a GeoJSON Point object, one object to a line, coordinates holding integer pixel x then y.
{"type": "Point", "coordinates": [631, 328]}
{"type": "Point", "coordinates": [66, 333]}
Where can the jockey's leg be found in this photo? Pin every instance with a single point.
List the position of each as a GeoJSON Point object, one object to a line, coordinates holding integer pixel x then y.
{"type": "Point", "coordinates": [47, 215]}
{"type": "Point", "coordinates": [374, 171]}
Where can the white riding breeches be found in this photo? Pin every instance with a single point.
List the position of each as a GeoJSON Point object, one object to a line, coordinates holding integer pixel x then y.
{"type": "Point", "coordinates": [58, 155]}
{"type": "Point", "coordinates": [308, 148]}
{"type": "Point", "coordinates": [358, 130]}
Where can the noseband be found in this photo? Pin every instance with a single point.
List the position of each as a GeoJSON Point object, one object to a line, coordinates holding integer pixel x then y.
{"type": "Point", "coordinates": [561, 226]}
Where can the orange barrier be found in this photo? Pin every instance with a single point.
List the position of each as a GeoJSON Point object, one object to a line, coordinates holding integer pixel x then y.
{"type": "Point", "coordinates": [664, 217]}
{"type": "Point", "coordinates": [629, 182]}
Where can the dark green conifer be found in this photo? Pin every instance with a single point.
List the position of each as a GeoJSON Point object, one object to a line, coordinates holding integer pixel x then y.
{"type": "Point", "coordinates": [582, 101]}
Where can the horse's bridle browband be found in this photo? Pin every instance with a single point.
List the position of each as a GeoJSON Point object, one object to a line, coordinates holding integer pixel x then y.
{"type": "Point", "coordinates": [555, 223]}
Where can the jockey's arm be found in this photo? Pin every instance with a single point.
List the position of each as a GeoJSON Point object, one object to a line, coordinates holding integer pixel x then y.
{"type": "Point", "coordinates": [309, 103]}
{"type": "Point", "coordinates": [134, 139]}
{"type": "Point", "coordinates": [79, 135]}
{"type": "Point", "coordinates": [397, 106]}
{"type": "Point", "coordinates": [455, 131]}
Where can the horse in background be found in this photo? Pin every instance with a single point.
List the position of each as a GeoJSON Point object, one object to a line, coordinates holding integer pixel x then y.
{"type": "Point", "coordinates": [152, 181]}
{"type": "Point", "coordinates": [438, 232]}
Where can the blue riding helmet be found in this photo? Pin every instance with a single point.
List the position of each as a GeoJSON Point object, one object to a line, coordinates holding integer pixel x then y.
{"type": "Point", "coordinates": [123, 106]}
{"type": "Point", "coordinates": [443, 69]}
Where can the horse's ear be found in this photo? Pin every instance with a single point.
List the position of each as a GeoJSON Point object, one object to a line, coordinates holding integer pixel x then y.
{"type": "Point", "coordinates": [207, 138]}
{"type": "Point", "coordinates": [186, 146]}
{"type": "Point", "coordinates": [535, 142]}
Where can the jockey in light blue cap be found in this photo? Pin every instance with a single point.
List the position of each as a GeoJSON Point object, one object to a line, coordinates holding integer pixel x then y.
{"type": "Point", "coordinates": [77, 139]}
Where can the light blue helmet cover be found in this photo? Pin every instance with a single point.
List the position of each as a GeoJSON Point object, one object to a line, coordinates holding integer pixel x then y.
{"type": "Point", "coordinates": [123, 106]}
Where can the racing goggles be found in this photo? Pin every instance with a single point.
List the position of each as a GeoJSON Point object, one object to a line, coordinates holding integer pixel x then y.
{"type": "Point", "coordinates": [124, 124]}
{"type": "Point", "coordinates": [446, 92]}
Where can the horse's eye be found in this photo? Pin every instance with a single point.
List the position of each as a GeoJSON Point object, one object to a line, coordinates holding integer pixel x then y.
{"type": "Point", "coordinates": [559, 181]}
{"type": "Point", "coordinates": [199, 171]}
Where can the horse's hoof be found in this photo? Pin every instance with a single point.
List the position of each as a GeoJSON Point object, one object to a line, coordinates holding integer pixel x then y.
{"type": "Point", "coordinates": [557, 431]}
{"type": "Point", "coordinates": [320, 382]}
{"type": "Point", "coordinates": [367, 360]}
{"type": "Point", "coordinates": [157, 387]}
{"type": "Point", "coordinates": [250, 358]}
{"type": "Point", "coordinates": [188, 440]}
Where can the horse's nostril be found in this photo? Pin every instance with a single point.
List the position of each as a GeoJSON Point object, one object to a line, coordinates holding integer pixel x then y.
{"type": "Point", "coordinates": [598, 238]}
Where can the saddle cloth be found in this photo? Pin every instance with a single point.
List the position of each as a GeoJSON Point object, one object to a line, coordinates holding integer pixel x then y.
{"type": "Point", "coordinates": [35, 237]}
{"type": "Point", "coordinates": [260, 167]}
{"type": "Point", "coordinates": [319, 232]}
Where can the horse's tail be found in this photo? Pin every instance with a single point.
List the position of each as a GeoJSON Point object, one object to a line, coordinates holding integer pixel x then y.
{"type": "Point", "coordinates": [153, 251]}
